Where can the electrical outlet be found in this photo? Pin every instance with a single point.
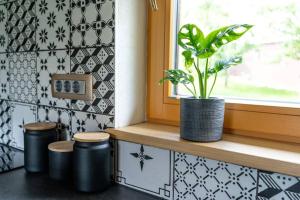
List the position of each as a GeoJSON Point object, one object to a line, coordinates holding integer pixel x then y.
{"type": "Point", "coordinates": [72, 86]}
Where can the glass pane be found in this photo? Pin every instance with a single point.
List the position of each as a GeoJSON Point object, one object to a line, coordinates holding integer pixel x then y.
{"type": "Point", "coordinates": [271, 50]}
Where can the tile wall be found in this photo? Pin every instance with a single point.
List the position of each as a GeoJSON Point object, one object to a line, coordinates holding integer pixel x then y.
{"type": "Point", "coordinates": [177, 176]}
{"type": "Point", "coordinates": [41, 37]}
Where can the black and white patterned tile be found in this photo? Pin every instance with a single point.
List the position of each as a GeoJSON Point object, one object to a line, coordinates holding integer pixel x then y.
{"type": "Point", "coordinates": [6, 158]}
{"type": "Point", "coordinates": [21, 115]}
{"type": "Point", "coordinates": [21, 26]}
{"type": "Point", "coordinates": [4, 77]}
{"type": "Point", "coordinates": [274, 186]}
{"type": "Point", "coordinates": [86, 122]}
{"type": "Point", "coordinates": [49, 63]}
{"type": "Point", "coordinates": [5, 123]}
{"type": "Point", "coordinates": [145, 168]}
{"type": "Point", "coordinates": [3, 22]}
{"type": "Point", "coordinates": [22, 71]}
{"type": "Point", "coordinates": [100, 63]}
{"type": "Point", "coordinates": [92, 23]}
{"type": "Point", "coordinates": [60, 116]}
{"type": "Point", "coordinates": [53, 24]}
{"type": "Point", "coordinates": [201, 178]}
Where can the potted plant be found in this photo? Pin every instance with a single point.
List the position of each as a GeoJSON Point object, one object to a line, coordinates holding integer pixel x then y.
{"type": "Point", "coordinates": [202, 116]}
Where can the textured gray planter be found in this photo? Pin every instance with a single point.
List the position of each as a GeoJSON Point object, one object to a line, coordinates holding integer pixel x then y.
{"type": "Point", "coordinates": [201, 120]}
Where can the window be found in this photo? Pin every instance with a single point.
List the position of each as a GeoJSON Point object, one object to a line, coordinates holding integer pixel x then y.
{"type": "Point", "coordinates": [271, 50]}
{"type": "Point", "coordinates": [272, 120]}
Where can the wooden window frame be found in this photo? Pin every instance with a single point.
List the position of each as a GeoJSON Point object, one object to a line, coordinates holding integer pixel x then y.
{"type": "Point", "coordinates": [273, 121]}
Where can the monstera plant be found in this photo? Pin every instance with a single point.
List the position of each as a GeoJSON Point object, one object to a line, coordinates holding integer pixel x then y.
{"type": "Point", "coordinates": [202, 116]}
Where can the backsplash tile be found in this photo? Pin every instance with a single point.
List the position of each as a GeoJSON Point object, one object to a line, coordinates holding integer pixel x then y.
{"type": "Point", "coordinates": [5, 123]}
{"type": "Point", "coordinates": [3, 35]}
{"type": "Point", "coordinates": [21, 115]}
{"type": "Point", "coordinates": [274, 186]}
{"type": "Point", "coordinates": [39, 45]}
{"type": "Point", "coordinates": [100, 63]}
{"type": "Point", "coordinates": [22, 70]}
{"type": "Point", "coordinates": [4, 80]}
{"type": "Point", "coordinates": [202, 178]}
{"type": "Point", "coordinates": [145, 168]}
{"type": "Point", "coordinates": [85, 122]}
{"type": "Point", "coordinates": [49, 63]}
{"type": "Point", "coordinates": [61, 116]}
{"type": "Point", "coordinates": [21, 25]}
{"type": "Point", "coordinates": [92, 23]}
{"type": "Point", "coordinates": [53, 20]}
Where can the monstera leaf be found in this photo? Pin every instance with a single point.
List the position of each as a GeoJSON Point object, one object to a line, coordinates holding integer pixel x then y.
{"type": "Point", "coordinates": [223, 64]}
{"type": "Point", "coordinates": [188, 59]}
{"type": "Point", "coordinates": [177, 76]}
{"type": "Point", "coordinates": [220, 37]}
{"type": "Point", "coordinates": [191, 38]}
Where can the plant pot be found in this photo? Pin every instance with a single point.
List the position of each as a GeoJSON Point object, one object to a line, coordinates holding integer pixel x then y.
{"type": "Point", "coordinates": [201, 120]}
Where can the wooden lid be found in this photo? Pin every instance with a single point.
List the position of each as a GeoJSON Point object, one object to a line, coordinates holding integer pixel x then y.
{"type": "Point", "coordinates": [91, 137]}
{"type": "Point", "coordinates": [40, 126]}
{"type": "Point", "coordinates": [61, 146]}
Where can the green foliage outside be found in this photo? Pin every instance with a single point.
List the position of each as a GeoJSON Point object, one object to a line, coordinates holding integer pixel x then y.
{"type": "Point", "coordinates": [276, 24]}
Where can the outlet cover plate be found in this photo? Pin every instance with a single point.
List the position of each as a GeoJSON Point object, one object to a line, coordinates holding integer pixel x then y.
{"type": "Point", "coordinates": [72, 86]}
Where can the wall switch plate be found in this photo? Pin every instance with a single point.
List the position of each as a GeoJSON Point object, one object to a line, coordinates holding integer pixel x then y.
{"type": "Point", "coordinates": [72, 86]}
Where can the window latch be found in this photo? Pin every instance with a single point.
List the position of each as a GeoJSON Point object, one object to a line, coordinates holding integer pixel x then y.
{"type": "Point", "coordinates": [154, 5]}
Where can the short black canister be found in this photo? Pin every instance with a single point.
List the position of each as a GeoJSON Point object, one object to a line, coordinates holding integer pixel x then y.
{"type": "Point", "coordinates": [61, 160]}
{"type": "Point", "coordinates": [91, 162]}
{"type": "Point", "coordinates": [37, 137]}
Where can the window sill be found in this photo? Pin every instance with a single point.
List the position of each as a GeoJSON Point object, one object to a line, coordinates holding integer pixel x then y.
{"type": "Point", "coordinates": [251, 152]}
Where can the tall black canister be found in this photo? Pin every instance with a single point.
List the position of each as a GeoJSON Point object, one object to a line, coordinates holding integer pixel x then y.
{"type": "Point", "coordinates": [37, 137]}
{"type": "Point", "coordinates": [91, 162]}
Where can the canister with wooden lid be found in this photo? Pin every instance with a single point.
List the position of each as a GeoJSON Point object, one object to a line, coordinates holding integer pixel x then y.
{"type": "Point", "coordinates": [37, 137]}
{"type": "Point", "coordinates": [61, 160]}
{"type": "Point", "coordinates": [91, 165]}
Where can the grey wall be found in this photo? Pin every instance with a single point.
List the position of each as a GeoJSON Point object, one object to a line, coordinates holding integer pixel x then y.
{"type": "Point", "coordinates": [41, 37]}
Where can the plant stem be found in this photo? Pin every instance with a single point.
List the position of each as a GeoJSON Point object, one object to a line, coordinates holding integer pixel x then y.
{"type": "Point", "coordinates": [205, 78]}
{"type": "Point", "coordinates": [199, 77]}
{"type": "Point", "coordinates": [190, 90]}
{"type": "Point", "coordinates": [213, 85]}
{"type": "Point", "coordinates": [195, 91]}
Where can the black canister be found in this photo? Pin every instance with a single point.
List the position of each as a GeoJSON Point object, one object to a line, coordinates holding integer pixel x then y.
{"type": "Point", "coordinates": [92, 167]}
{"type": "Point", "coordinates": [61, 160]}
{"type": "Point", "coordinates": [37, 137]}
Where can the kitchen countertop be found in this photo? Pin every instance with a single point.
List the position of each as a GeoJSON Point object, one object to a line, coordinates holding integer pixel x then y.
{"type": "Point", "coordinates": [19, 185]}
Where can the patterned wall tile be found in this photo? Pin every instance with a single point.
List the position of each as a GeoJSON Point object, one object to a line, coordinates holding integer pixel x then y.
{"type": "Point", "coordinates": [4, 77]}
{"type": "Point", "coordinates": [6, 158]}
{"type": "Point", "coordinates": [84, 122]}
{"type": "Point", "coordinates": [3, 35]}
{"type": "Point", "coordinates": [49, 63]}
{"type": "Point", "coordinates": [5, 122]}
{"type": "Point", "coordinates": [274, 186]}
{"type": "Point", "coordinates": [92, 23]}
{"type": "Point", "coordinates": [99, 62]}
{"type": "Point", "coordinates": [21, 115]}
{"type": "Point", "coordinates": [53, 24]}
{"type": "Point", "coordinates": [21, 25]}
{"type": "Point", "coordinates": [60, 116]}
{"type": "Point", "coordinates": [145, 168]}
{"type": "Point", "coordinates": [22, 70]}
{"type": "Point", "coordinates": [201, 178]}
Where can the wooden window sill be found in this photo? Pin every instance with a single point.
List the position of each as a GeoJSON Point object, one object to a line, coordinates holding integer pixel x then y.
{"type": "Point", "coordinates": [241, 150]}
